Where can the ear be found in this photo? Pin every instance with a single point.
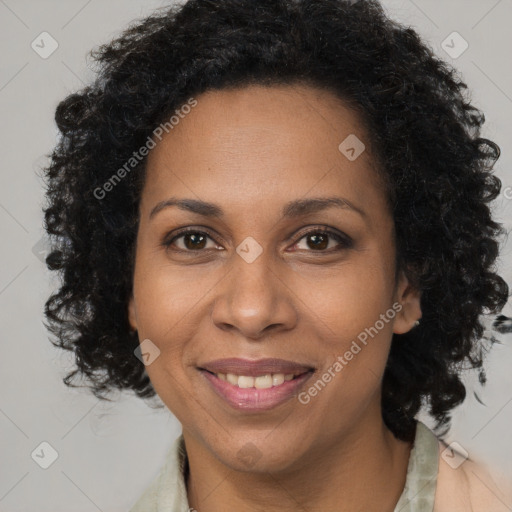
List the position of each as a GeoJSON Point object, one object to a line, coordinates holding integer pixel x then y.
{"type": "Point", "coordinates": [132, 315]}
{"type": "Point", "coordinates": [409, 297]}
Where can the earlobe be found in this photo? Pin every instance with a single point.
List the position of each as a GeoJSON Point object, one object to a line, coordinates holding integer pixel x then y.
{"type": "Point", "coordinates": [132, 316]}
{"type": "Point", "coordinates": [410, 299]}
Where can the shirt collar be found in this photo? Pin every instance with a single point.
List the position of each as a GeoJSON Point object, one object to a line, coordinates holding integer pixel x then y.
{"type": "Point", "coordinates": [168, 492]}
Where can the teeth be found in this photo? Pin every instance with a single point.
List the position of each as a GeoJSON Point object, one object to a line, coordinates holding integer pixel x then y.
{"type": "Point", "coordinates": [232, 379]}
{"type": "Point", "coordinates": [245, 382]}
{"type": "Point", "coordinates": [261, 382]}
{"type": "Point", "coordinates": [278, 378]}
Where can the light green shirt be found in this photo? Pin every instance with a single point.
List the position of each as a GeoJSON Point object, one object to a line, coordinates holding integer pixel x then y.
{"type": "Point", "coordinates": [168, 493]}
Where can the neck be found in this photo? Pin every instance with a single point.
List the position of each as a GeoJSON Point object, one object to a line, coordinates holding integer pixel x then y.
{"type": "Point", "coordinates": [365, 469]}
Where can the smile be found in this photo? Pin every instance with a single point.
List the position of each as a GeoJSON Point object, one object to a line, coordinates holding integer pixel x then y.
{"type": "Point", "coordinates": [252, 385]}
{"type": "Point", "coordinates": [261, 382]}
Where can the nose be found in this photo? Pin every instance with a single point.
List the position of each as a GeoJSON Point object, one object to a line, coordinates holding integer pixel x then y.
{"type": "Point", "coordinates": [254, 300]}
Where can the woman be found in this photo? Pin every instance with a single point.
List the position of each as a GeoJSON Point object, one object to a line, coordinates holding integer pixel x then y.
{"type": "Point", "coordinates": [275, 215]}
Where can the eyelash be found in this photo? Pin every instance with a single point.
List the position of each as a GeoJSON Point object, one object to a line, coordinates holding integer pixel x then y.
{"type": "Point", "coordinates": [345, 241]}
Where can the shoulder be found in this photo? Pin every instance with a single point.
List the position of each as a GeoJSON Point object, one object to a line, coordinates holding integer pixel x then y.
{"type": "Point", "coordinates": [167, 492]}
{"type": "Point", "coordinates": [466, 486]}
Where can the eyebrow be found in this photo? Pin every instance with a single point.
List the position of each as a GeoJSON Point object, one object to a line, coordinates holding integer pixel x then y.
{"type": "Point", "coordinates": [292, 209]}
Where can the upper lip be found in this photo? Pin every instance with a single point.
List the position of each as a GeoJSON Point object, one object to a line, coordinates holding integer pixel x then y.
{"type": "Point", "coordinates": [251, 367]}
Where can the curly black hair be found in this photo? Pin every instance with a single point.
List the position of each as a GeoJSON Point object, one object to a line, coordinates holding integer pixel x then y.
{"type": "Point", "coordinates": [422, 126]}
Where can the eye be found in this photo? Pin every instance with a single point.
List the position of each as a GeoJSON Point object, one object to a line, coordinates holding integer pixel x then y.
{"type": "Point", "coordinates": [319, 240]}
{"type": "Point", "coordinates": [190, 240]}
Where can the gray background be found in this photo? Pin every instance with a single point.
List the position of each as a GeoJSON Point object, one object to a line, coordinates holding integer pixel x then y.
{"type": "Point", "coordinates": [108, 454]}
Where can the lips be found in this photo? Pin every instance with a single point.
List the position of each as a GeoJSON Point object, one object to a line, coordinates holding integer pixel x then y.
{"type": "Point", "coordinates": [255, 385]}
{"type": "Point", "coordinates": [256, 368]}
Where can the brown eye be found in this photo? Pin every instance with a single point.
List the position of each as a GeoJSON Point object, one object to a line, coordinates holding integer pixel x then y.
{"type": "Point", "coordinates": [194, 241]}
{"type": "Point", "coordinates": [189, 241]}
{"type": "Point", "coordinates": [319, 241]}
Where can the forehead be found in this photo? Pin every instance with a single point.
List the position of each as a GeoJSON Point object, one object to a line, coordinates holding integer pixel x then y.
{"type": "Point", "coordinates": [260, 143]}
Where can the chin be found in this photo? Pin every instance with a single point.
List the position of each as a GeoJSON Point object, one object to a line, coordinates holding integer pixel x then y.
{"type": "Point", "coordinates": [260, 452]}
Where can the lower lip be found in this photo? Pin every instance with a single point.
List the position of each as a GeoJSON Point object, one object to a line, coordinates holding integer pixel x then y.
{"type": "Point", "coordinates": [252, 399]}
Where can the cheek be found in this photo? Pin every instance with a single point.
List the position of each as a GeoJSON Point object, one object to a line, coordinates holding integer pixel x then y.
{"type": "Point", "coordinates": [170, 304]}
{"type": "Point", "coordinates": [354, 305]}
{"type": "Point", "coordinates": [347, 300]}
{"type": "Point", "coordinates": [163, 305]}
{"type": "Point", "coordinates": [166, 295]}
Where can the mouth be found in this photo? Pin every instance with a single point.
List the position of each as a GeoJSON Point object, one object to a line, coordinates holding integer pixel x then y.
{"type": "Point", "coordinates": [264, 381]}
{"type": "Point", "coordinates": [255, 385]}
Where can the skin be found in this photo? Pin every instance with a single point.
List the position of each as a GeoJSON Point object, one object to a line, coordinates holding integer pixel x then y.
{"type": "Point", "coordinates": [250, 151]}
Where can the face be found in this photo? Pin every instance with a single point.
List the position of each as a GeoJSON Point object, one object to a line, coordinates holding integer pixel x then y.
{"type": "Point", "coordinates": [273, 315]}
